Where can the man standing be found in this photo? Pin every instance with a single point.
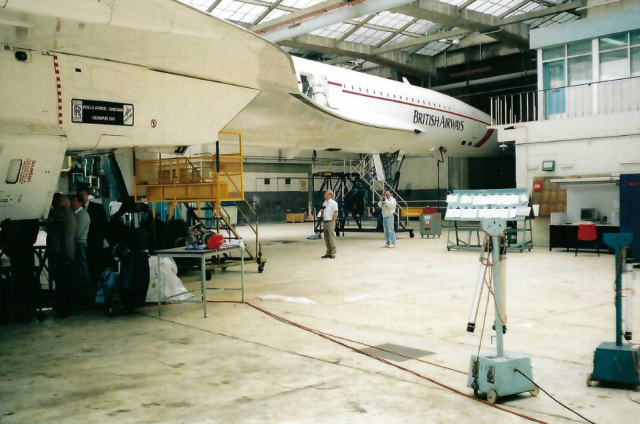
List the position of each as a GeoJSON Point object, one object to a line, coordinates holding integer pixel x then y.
{"type": "Point", "coordinates": [388, 205]}
{"type": "Point", "coordinates": [83, 286]}
{"type": "Point", "coordinates": [329, 217]}
{"type": "Point", "coordinates": [95, 239]}
{"type": "Point", "coordinates": [61, 234]}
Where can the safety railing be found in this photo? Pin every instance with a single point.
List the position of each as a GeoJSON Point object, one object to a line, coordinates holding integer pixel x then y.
{"type": "Point", "coordinates": [363, 168]}
{"type": "Point", "coordinates": [595, 98]}
{"type": "Point", "coordinates": [190, 179]}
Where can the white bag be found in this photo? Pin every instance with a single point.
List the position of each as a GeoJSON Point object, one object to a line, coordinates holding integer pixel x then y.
{"type": "Point", "coordinates": [172, 287]}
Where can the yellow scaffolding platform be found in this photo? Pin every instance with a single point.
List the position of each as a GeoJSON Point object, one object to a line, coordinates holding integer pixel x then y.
{"type": "Point", "coordinates": [190, 179]}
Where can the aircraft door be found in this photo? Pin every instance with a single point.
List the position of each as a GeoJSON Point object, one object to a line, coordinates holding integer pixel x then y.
{"type": "Point", "coordinates": [478, 130]}
{"type": "Point", "coordinates": [29, 171]}
{"type": "Point", "coordinates": [334, 93]}
{"type": "Point", "coordinates": [307, 85]}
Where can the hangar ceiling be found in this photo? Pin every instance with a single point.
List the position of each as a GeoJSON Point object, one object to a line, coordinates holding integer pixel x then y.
{"type": "Point", "coordinates": [409, 36]}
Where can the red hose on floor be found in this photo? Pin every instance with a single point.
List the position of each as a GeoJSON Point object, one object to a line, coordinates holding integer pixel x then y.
{"type": "Point", "coordinates": [384, 361]}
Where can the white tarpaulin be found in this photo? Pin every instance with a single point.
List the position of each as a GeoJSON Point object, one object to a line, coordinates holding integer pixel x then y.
{"type": "Point", "coordinates": [172, 286]}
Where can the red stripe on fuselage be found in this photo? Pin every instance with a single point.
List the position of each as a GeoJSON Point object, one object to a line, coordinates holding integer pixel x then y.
{"type": "Point", "coordinates": [484, 139]}
{"type": "Point", "coordinates": [409, 104]}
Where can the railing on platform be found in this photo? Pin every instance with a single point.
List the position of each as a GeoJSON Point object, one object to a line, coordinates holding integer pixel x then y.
{"type": "Point", "coordinates": [595, 98]}
{"type": "Point", "coordinates": [378, 187]}
{"type": "Point", "coordinates": [190, 179]}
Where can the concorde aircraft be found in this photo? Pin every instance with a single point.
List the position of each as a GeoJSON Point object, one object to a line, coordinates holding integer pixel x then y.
{"type": "Point", "coordinates": [88, 76]}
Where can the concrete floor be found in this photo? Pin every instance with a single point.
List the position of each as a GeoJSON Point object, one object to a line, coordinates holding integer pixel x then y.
{"type": "Point", "coordinates": [241, 366]}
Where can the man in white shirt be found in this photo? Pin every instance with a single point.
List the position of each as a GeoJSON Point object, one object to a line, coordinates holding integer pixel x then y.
{"type": "Point", "coordinates": [388, 205]}
{"type": "Point", "coordinates": [83, 286]}
{"type": "Point", "coordinates": [329, 217]}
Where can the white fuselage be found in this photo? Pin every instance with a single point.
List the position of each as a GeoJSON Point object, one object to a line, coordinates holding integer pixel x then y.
{"type": "Point", "coordinates": [435, 119]}
{"type": "Point", "coordinates": [79, 76]}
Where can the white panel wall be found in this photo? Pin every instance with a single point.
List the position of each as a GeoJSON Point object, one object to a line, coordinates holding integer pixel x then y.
{"type": "Point", "coordinates": [255, 181]}
{"type": "Point", "coordinates": [422, 173]}
{"type": "Point", "coordinates": [596, 145]}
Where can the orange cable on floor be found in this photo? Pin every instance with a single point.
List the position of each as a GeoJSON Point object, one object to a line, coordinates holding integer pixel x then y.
{"type": "Point", "coordinates": [384, 361]}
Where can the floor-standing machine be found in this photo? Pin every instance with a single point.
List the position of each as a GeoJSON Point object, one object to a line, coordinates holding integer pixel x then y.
{"type": "Point", "coordinates": [497, 374]}
{"type": "Point", "coordinates": [618, 362]}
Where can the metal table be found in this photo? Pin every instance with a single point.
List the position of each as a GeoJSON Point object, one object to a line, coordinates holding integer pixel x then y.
{"type": "Point", "coordinates": [203, 255]}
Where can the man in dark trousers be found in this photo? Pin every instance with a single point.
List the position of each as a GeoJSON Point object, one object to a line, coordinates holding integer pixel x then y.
{"type": "Point", "coordinates": [19, 295]}
{"type": "Point", "coordinates": [61, 234]}
{"type": "Point", "coordinates": [95, 239]}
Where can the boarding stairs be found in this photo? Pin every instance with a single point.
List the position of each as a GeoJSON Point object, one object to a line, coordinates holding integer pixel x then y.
{"type": "Point", "coordinates": [372, 169]}
{"type": "Point", "coordinates": [358, 190]}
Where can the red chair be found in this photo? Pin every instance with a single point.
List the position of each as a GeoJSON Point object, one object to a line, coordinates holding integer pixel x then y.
{"type": "Point", "coordinates": [587, 233]}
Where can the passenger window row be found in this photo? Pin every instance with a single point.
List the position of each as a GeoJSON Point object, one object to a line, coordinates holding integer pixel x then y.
{"type": "Point", "coordinates": [401, 97]}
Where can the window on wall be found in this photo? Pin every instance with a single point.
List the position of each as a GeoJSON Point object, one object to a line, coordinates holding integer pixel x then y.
{"type": "Point", "coordinates": [614, 57]}
{"type": "Point", "coordinates": [611, 42]}
{"type": "Point", "coordinates": [635, 62]}
{"type": "Point", "coordinates": [614, 65]}
{"type": "Point", "coordinates": [580, 63]}
{"type": "Point", "coordinates": [553, 53]}
{"type": "Point", "coordinates": [635, 53]}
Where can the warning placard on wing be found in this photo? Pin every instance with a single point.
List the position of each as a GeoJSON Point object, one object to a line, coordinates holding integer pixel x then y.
{"type": "Point", "coordinates": [100, 112]}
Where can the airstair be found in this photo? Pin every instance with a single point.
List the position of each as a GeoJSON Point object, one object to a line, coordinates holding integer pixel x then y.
{"type": "Point", "coordinates": [359, 189]}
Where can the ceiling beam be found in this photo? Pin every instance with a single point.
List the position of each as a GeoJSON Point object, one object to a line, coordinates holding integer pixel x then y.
{"type": "Point", "coordinates": [356, 26]}
{"type": "Point", "coordinates": [398, 31]}
{"type": "Point", "coordinates": [422, 40]}
{"type": "Point", "coordinates": [567, 7]}
{"type": "Point", "coordinates": [296, 16]}
{"type": "Point", "coordinates": [401, 30]}
{"type": "Point", "coordinates": [514, 8]}
{"type": "Point", "coordinates": [466, 4]}
{"type": "Point", "coordinates": [266, 12]}
{"type": "Point", "coordinates": [267, 5]}
{"type": "Point", "coordinates": [213, 6]}
{"type": "Point", "coordinates": [447, 14]}
{"type": "Point", "coordinates": [436, 29]}
{"type": "Point", "coordinates": [416, 65]}
{"type": "Point", "coordinates": [322, 15]}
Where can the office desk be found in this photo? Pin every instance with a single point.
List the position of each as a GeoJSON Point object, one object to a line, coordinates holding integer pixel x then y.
{"type": "Point", "coordinates": [566, 235]}
{"type": "Point", "coordinates": [202, 255]}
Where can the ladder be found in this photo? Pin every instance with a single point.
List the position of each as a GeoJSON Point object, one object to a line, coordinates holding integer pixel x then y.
{"type": "Point", "coordinates": [371, 171]}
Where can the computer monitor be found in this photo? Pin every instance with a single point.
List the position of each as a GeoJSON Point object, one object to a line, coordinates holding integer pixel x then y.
{"type": "Point", "coordinates": [589, 214]}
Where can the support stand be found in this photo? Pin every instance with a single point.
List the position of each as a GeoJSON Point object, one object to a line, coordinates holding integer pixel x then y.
{"type": "Point", "coordinates": [615, 362]}
{"type": "Point", "coordinates": [497, 375]}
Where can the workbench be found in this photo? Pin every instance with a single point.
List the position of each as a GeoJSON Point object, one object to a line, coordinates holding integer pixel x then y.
{"type": "Point", "coordinates": [202, 255]}
{"type": "Point", "coordinates": [566, 236]}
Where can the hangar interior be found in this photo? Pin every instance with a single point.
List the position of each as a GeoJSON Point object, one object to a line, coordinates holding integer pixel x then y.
{"type": "Point", "coordinates": [270, 330]}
